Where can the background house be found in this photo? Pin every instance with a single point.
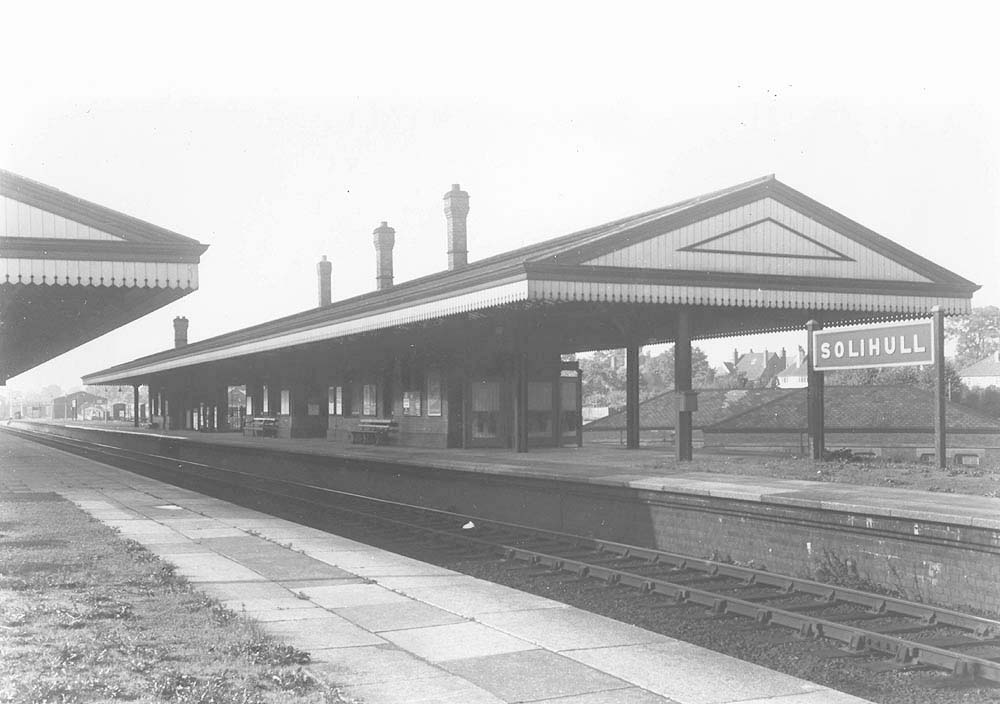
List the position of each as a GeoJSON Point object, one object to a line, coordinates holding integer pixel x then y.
{"type": "Point", "coordinates": [755, 370]}
{"type": "Point", "coordinates": [795, 374]}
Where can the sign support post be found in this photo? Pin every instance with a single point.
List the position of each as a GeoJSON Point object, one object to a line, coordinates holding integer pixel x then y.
{"type": "Point", "coordinates": [814, 396]}
{"type": "Point", "coordinates": [940, 423]}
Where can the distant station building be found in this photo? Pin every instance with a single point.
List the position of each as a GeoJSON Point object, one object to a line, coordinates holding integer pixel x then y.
{"type": "Point", "coordinates": [79, 405]}
{"type": "Point", "coordinates": [473, 356]}
{"type": "Point", "coordinates": [72, 270]}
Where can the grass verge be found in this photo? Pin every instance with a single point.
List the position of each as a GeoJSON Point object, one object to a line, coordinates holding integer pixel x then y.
{"type": "Point", "coordinates": [87, 616]}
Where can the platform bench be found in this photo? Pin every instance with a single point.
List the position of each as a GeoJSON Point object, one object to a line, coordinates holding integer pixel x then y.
{"type": "Point", "coordinates": [264, 427]}
{"type": "Point", "coordinates": [375, 431]}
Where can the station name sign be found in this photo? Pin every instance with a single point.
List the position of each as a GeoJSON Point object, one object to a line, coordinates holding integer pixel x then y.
{"type": "Point", "coordinates": [879, 345]}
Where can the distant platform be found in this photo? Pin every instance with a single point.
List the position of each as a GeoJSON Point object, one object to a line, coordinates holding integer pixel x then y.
{"type": "Point", "coordinates": [648, 468]}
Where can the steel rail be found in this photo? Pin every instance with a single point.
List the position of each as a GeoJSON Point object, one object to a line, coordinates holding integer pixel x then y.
{"type": "Point", "coordinates": [856, 639]}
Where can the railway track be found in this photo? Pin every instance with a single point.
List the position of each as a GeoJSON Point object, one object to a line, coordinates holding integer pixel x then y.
{"type": "Point", "coordinates": [907, 634]}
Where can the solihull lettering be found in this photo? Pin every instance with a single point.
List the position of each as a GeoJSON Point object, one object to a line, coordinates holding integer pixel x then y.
{"type": "Point", "coordinates": [881, 345]}
{"type": "Point", "coordinates": [870, 347]}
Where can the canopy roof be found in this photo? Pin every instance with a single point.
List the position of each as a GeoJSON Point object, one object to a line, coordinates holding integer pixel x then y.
{"type": "Point", "coordinates": [71, 270]}
{"type": "Point", "coordinates": [759, 245]}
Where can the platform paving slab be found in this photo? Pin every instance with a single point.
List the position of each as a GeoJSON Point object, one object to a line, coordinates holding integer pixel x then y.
{"type": "Point", "coordinates": [568, 629]}
{"type": "Point", "coordinates": [212, 567]}
{"type": "Point", "coordinates": [323, 632]}
{"type": "Point", "coordinates": [372, 664]}
{"type": "Point", "coordinates": [243, 591]}
{"type": "Point", "coordinates": [273, 561]}
{"type": "Point", "coordinates": [396, 630]}
{"type": "Point", "coordinates": [534, 674]}
{"type": "Point", "coordinates": [437, 690]}
{"type": "Point", "coordinates": [456, 641]}
{"type": "Point", "coordinates": [630, 695]}
{"type": "Point", "coordinates": [408, 614]}
{"type": "Point", "coordinates": [340, 596]}
{"type": "Point", "coordinates": [474, 597]}
{"type": "Point", "coordinates": [694, 675]}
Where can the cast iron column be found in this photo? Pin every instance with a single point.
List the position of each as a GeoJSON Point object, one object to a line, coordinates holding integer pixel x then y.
{"type": "Point", "coordinates": [940, 424]}
{"type": "Point", "coordinates": [135, 405]}
{"type": "Point", "coordinates": [683, 435]}
{"type": "Point", "coordinates": [814, 397]}
{"type": "Point", "coordinates": [632, 396]}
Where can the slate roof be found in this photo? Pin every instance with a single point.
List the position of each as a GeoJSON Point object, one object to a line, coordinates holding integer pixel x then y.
{"type": "Point", "coordinates": [752, 365]}
{"type": "Point", "coordinates": [984, 367]}
{"type": "Point", "coordinates": [543, 260]}
{"type": "Point", "coordinates": [714, 405]}
{"type": "Point", "coordinates": [858, 408]}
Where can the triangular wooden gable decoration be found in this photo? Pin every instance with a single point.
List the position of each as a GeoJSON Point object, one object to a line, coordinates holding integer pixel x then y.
{"type": "Point", "coordinates": [766, 237]}
{"type": "Point", "coordinates": [762, 228]}
{"type": "Point", "coordinates": [21, 219]}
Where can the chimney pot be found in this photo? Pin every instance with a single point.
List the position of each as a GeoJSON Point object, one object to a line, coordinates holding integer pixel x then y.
{"type": "Point", "coordinates": [456, 211]}
{"type": "Point", "coordinates": [180, 331]}
{"type": "Point", "coordinates": [324, 271]}
{"type": "Point", "coordinates": [385, 240]}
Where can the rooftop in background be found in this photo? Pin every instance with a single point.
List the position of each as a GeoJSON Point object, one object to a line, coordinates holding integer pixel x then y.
{"type": "Point", "coordinates": [71, 270]}
{"type": "Point", "coordinates": [861, 408]}
{"type": "Point", "coordinates": [858, 409]}
{"type": "Point", "coordinates": [714, 405]}
{"type": "Point", "coordinates": [988, 367]}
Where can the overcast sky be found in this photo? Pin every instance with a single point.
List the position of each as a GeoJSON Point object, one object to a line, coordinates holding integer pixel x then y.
{"type": "Point", "coordinates": [279, 137]}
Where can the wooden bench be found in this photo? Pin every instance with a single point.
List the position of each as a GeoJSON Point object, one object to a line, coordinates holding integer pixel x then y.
{"type": "Point", "coordinates": [264, 426]}
{"type": "Point", "coordinates": [374, 431]}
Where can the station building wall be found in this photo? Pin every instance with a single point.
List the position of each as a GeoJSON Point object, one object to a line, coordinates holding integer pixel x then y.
{"type": "Point", "coordinates": [435, 400]}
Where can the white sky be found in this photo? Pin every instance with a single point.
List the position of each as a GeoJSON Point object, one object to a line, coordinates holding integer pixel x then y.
{"type": "Point", "coordinates": [279, 136]}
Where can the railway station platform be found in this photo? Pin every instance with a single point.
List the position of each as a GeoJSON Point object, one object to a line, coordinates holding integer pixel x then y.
{"type": "Point", "coordinates": [390, 628]}
{"type": "Point", "coordinates": [601, 465]}
{"type": "Point", "coordinates": [934, 547]}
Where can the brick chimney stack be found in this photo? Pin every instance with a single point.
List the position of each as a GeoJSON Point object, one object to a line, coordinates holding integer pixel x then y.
{"type": "Point", "coordinates": [385, 239]}
{"type": "Point", "coordinates": [180, 331]}
{"type": "Point", "coordinates": [456, 209]}
{"type": "Point", "coordinates": [324, 271]}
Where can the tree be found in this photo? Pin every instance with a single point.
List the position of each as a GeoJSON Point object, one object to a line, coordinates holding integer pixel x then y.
{"type": "Point", "coordinates": [923, 377]}
{"type": "Point", "coordinates": [604, 375]}
{"type": "Point", "coordinates": [976, 335]}
{"type": "Point", "coordinates": [603, 378]}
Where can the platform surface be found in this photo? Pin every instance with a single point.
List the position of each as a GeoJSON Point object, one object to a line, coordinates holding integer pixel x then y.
{"type": "Point", "coordinates": [652, 469]}
{"type": "Point", "coordinates": [391, 629]}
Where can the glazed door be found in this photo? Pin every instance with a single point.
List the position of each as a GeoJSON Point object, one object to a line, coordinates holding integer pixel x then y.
{"type": "Point", "coordinates": [487, 426]}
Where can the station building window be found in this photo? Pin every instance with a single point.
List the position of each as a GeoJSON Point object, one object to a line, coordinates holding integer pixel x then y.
{"type": "Point", "coordinates": [369, 406]}
{"type": "Point", "coordinates": [411, 403]}
{"type": "Point", "coordinates": [335, 401]}
{"type": "Point", "coordinates": [433, 386]}
{"type": "Point", "coordinates": [412, 381]}
{"type": "Point", "coordinates": [286, 402]}
{"type": "Point", "coordinates": [486, 409]}
{"type": "Point", "coordinates": [264, 400]}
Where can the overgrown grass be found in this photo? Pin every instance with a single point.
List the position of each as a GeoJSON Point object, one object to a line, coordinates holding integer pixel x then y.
{"type": "Point", "coordinates": [86, 616]}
